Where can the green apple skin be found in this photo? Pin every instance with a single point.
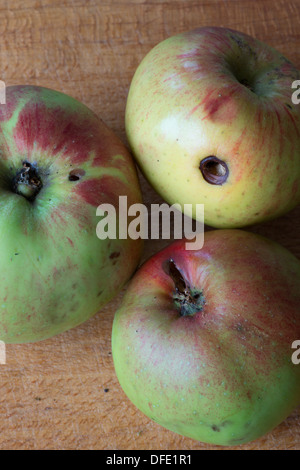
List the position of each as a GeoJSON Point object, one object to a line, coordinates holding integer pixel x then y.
{"type": "Point", "coordinates": [55, 272]}
{"type": "Point", "coordinates": [217, 92]}
{"type": "Point", "coordinates": [223, 375]}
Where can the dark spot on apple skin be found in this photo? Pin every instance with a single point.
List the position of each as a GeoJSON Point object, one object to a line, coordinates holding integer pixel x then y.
{"type": "Point", "coordinates": [215, 428]}
{"type": "Point", "coordinates": [114, 255]}
{"type": "Point", "coordinates": [99, 293]}
{"type": "Point", "coordinates": [76, 174]}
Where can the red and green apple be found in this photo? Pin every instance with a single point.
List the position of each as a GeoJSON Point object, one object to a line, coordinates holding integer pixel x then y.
{"type": "Point", "coordinates": [202, 342]}
{"type": "Point", "coordinates": [59, 161]}
{"type": "Point", "coordinates": [210, 120]}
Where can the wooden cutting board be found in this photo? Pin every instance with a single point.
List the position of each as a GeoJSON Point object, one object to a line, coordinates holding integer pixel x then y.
{"type": "Point", "coordinates": [63, 393]}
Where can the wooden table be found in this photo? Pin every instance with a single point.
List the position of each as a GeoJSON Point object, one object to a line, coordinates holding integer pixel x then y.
{"type": "Point", "coordinates": [63, 393]}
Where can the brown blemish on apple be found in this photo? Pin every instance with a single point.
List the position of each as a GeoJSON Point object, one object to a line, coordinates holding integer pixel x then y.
{"type": "Point", "coordinates": [76, 174]}
{"type": "Point", "coordinates": [215, 428]}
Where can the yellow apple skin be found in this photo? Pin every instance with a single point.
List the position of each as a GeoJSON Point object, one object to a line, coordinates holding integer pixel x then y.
{"type": "Point", "coordinates": [218, 92]}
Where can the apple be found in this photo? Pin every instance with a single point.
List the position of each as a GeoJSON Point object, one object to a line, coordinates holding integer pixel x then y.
{"type": "Point", "coordinates": [210, 120]}
{"type": "Point", "coordinates": [59, 161]}
{"type": "Point", "coordinates": [202, 342]}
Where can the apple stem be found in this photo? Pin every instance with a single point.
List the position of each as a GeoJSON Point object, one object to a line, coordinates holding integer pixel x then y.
{"type": "Point", "coordinates": [27, 182]}
{"type": "Point", "coordinates": [187, 301]}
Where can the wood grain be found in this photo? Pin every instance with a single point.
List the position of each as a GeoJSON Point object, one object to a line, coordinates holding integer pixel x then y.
{"type": "Point", "coordinates": [63, 393]}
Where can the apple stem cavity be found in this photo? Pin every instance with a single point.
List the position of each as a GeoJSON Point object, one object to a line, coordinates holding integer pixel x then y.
{"type": "Point", "coordinates": [27, 182]}
{"type": "Point", "coordinates": [246, 83]}
{"type": "Point", "coordinates": [214, 170]}
{"type": "Point", "coordinates": [187, 300]}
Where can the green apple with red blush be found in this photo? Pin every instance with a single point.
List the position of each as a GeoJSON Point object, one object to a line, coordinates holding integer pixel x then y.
{"type": "Point", "coordinates": [210, 120]}
{"type": "Point", "coordinates": [59, 161]}
{"type": "Point", "coordinates": [202, 341]}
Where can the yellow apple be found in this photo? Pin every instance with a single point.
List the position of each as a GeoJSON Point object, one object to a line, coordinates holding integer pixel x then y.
{"type": "Point", "coordinates": [210, 120]}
